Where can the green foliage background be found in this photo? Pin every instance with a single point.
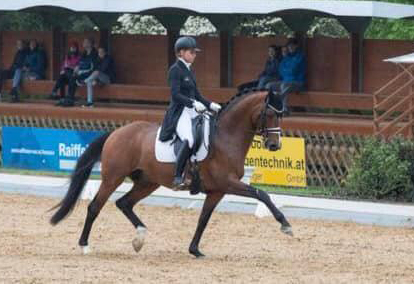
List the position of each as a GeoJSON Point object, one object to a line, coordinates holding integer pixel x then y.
{"type": "Point", "coordinates": [264, 26]}
{"type": "Point", "coordinates": [382, 170]}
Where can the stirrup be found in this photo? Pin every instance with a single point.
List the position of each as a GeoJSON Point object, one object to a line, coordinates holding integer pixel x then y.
{"type": "Point", "coordinates": [178, 183]}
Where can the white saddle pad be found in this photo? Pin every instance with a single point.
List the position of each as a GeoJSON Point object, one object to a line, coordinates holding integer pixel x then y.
{"type": "Point", "coordinates": [164, 151]}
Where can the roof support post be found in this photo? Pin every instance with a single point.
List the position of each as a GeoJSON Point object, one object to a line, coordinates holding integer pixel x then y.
{"type": "Point", "coordinates": [172, 23]}
{"type": "Point", "coordinates": [105, 22]}
{"type": "Point", "coordinates": [225, 24]}
{"type": "Point", "coordinates": [54, 19]}
{"type": "Point", "coordinates": [299, 23]}
{"type": "Point", "coordinates": [59, 41]}
{"type": "Point", "coordinates": [356, 28]}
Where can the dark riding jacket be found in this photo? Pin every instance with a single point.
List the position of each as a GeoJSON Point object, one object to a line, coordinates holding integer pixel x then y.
{"type": "Point", "coordinates": [183, 91]}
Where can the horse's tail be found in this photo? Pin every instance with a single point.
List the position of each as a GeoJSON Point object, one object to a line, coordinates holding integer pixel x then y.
{"type": "Point", "coordinates": [79, 177]}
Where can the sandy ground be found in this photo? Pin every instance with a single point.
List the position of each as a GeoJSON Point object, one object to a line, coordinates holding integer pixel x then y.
{"type": "Point", "coordinates": [239, 248]}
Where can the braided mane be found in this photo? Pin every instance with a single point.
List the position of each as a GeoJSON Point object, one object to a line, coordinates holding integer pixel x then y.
{"type": "Point", "coordinates": [241, 94]}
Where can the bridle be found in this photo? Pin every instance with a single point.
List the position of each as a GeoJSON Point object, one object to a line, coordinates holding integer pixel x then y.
{"type": "Point", "coordinates": [262, 129]}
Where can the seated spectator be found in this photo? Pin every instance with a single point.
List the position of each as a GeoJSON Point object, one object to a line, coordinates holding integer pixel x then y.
{"type": "Point", "coordinates": [275, 85]}
{"type": "Point", "coordinates": [18, 63]}
{"type": "Point", "coordinates": [271, 69]}
{"type": "Point", "coordinates": [69, 64]}
{"type": "Point", "coordinates": [87, 64]}
{"type": "Point", "coordinates": [292, 71]}
{"type": "Point", "coordinates": [103, 74]}
{"type": "Point", "coordinates": [33, 68]}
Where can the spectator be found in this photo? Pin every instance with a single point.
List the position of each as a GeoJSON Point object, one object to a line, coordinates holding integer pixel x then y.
{"type": "Point", "coordinates": [87, 64]}
{"type": "Point", "coordinates": [275, 85]}
{"type": "Point", "coordinates": [33, 68]}
{"type": "Point", "coordinates": [104, 73]}
{"type": "Point", "coordinates": [292, 70]}
{"type": "Point", "coordinates": [69, 64]}
{"type": "Point", "coordinates": [270, 72]}
{"type": "Point", "coordinates": [18, 63]}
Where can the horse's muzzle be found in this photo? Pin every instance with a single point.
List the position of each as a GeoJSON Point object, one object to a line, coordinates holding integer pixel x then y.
{"type": "Point", "coordinates": [273, 146]}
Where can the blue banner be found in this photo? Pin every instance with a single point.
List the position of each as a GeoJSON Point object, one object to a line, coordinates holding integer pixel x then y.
{"type": "Point", "coordinates": [44, 149]}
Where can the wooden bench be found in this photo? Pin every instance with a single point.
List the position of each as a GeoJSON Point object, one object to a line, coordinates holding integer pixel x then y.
{"type": "Point", "coordinates": [161, 94]}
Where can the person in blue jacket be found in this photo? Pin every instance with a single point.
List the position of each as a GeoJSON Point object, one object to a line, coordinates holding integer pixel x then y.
{"type": "Point", "coordinates": [271, 69]}
{"type": "Point", "coordinates": [292, 71]}
{"type": "Point", "coordinates": [33, 68]}
{"type": "Point", "coordinates": [18, 63]}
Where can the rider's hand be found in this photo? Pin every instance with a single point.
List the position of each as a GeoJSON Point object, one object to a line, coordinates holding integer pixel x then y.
{"type": "Point", "coordinates": [215, 107]}
{"type": "Point", "coordinates": [199, 107]}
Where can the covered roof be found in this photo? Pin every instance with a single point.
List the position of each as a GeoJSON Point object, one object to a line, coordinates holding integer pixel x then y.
{"type": "Point", "coordinates": [255, 7]}
{"type": "Point", "coordinates": [404, 59]}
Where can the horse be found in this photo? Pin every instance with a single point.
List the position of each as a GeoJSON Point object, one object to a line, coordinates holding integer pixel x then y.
{"type": "Point", "coordinates": [129, 152]}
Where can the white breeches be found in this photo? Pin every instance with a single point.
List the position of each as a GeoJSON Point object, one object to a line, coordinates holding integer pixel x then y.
{"type": "Point", "coordinates": [184, 128]}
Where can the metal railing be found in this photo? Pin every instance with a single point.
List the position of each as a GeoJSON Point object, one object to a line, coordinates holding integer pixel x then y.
{"type": "Point", "coordinates": [394, 105]}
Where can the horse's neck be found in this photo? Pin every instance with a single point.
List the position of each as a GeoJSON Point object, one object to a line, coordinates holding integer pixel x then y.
{"type": "Point", "coordinates": [235, 127]}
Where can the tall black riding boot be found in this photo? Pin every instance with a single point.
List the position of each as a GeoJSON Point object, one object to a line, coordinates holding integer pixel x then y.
{"type": "Point", "coordinates": [182, 157]}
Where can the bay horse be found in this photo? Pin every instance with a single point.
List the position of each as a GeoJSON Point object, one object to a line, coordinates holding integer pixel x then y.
{"type": "Point", "coordinates": [129, 151]}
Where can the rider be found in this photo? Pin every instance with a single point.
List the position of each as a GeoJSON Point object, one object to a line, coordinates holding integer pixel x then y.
{"type": "Point", "coordinates": [186, 101]}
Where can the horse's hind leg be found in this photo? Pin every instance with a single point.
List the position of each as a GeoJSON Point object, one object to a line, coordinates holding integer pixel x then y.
{"type": "Point", "coordinates": [141, 189]}
{"type": "Point", "coordinates": [105, 190]}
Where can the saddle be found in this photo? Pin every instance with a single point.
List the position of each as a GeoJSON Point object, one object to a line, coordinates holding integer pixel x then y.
{"type": "Point", "coordinates": [203, 127]}
{"type": "Point", "coordinates": [197, 125]}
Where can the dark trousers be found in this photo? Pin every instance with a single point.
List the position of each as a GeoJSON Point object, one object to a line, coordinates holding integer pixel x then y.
{"type": "Point", "coordinates": [264, 81]}
{"type": "Point", "coordinates": [4, 75]}
{"type": "Point", "coordinates": [286, 88]}
{"type": "Point", "coordinates": [247, 85]}
{"type": "Point", "coordinates": [62, 81]}
{"type": "Point", "coordinates": [73, 84]}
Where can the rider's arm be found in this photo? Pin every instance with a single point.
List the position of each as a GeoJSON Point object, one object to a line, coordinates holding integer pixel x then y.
{"type": "Point", "coordinates": [175, 83]}
{"type": "Point", "coordinates": [202, 99]}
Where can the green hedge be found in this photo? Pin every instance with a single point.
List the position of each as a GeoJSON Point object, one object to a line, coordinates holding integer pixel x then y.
{"type": "Point", "coordinates": [383, 170]}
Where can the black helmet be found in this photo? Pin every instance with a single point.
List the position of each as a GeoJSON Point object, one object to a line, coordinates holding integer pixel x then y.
{"type": "Point", "coordinates": [185, 42]}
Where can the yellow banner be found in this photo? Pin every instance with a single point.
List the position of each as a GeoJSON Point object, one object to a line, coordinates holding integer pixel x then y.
{"type": "Point", "coordinates": [286, 166]}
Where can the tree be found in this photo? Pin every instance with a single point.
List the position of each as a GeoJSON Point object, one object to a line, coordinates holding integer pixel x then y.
{"type": "Point", "coordinates": [32, 21]}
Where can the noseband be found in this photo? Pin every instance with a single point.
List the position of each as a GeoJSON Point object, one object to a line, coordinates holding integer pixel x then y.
{"type": "Point", "coordinates": [263, 130]}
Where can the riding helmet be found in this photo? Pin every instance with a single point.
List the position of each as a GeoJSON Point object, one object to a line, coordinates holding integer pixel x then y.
{"type": "Point", "coordinates": [185, 42]}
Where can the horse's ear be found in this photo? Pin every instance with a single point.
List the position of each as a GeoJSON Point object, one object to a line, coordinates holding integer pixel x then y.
{"type": "Point", "coordinates": [275, 99]}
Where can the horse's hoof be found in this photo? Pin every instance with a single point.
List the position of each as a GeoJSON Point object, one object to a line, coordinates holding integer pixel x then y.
{"type": "Point", "coordinates": [200, 256]}
{"type": "Point", "coordinates": [85, 250]}
{"type": "Point", "coordinates": [287, 230]}
{"type": "Point", "coordinates": [197, 254]}
{"type": "Point", "coordinates": [139, 239]}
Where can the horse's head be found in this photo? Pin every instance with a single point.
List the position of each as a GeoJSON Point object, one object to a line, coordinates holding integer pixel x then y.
{"type": "Point", "coordinates": [268, 121]}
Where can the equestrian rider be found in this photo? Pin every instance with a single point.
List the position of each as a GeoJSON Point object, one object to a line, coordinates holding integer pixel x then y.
{"type": "Point", "coordinates": [186, 103]}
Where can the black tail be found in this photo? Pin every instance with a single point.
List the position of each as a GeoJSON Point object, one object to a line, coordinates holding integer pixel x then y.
{"type": "Point", "coordinates": [79, 177]}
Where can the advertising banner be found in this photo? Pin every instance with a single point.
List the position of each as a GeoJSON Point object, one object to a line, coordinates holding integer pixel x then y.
{"type": "Point", "coordinates": [286, 166]}
{"type": "Point", "coordinates": [44, 149]}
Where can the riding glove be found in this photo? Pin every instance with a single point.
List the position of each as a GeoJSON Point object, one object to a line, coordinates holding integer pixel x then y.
{"type": "Point", "coordinates": [215, 107]}
{"type": "Point", "coordinates": [199, 107]}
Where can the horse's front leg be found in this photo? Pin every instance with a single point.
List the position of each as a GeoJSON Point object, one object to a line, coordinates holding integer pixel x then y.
{"type": "Point", "coordinates": [211, 201]}
{"type": "Point", "coordinates": [241, 189]}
